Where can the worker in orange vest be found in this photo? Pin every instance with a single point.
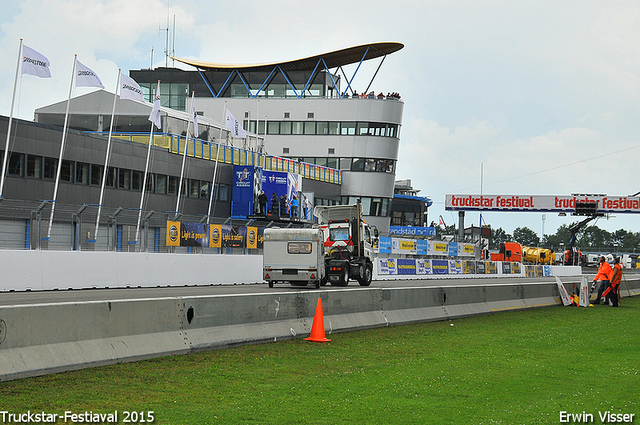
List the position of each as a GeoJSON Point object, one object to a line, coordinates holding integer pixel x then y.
{"type": "Point", "coordinates": [604, 274]}
{"type": "Point", "coordinates": [613, 291]}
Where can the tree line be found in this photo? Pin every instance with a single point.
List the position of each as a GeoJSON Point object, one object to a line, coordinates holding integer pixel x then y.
{"type": "Point", "coordinates": [589, 238]}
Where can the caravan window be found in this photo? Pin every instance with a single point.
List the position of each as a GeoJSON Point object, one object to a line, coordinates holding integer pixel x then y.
{"type": "Point", "coordinates": [299, 247]}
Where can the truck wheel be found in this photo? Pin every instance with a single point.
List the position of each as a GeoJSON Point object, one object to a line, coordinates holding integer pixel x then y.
{"type": "Point", "coordinates": [344, 276]}
{"type": "Point", "coordinates": [317, 284]}
{"type": "Point", "coordinates": [368, 276]}
{"type": "Point", "coordinates": [323, 282]}
{"type": "Point", "coordinates": [271, 284]}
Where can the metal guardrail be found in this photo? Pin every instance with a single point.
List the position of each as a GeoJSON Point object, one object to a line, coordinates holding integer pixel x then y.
{"type": "Point", "coordinates": [207, 150]}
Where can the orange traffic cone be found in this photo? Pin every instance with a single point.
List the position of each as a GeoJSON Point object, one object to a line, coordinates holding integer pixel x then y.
{"type": "Point", "coordinates": [317, 329]}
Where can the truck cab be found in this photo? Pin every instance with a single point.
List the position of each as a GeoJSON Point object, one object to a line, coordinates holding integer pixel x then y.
{"type": "Point", "coordinates": [348, 243]}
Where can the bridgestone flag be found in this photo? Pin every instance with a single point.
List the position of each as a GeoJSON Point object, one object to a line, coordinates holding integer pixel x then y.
{"type": "Point", "coordinates": [154, 117]}
{"type": "Point", "coordinates": [234, 126]}
{"type": "Point", "coordinates": [85, 77]}
{"type": "Point", "coordinates": [33, 63]}
{"type": "Point", "coordinates": [129, 89]}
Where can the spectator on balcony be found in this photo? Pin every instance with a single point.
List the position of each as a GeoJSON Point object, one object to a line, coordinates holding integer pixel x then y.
{"type": "Point", "coordinates": [263, 200]}
{"type": "Point", "coordinates": [283, 206]}
{"type": "Point", "coordinates": [275, 205]}
{"type": "Point", "coordinates": [294, 206]}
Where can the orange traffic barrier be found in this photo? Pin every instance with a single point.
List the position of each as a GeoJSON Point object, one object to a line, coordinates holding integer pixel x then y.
{"type": "Point", "coordinates": [317, 329]}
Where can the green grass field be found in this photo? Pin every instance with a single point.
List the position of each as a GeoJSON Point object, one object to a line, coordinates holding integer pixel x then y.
{"type": "Point", "coordinates": [519, 367]}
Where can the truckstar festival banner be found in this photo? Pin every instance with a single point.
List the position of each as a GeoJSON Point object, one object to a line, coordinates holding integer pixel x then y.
{"type": "Point", "coordinates": [542, 203]}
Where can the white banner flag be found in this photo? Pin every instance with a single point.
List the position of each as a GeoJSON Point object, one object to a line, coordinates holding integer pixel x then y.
{"type": "Point", "coordinates": [129, 89]}
{"type": "Point", "coordinates": [85, 77]}
{"type": "Point", "coordinates": [33, 63]}
{"type": "Point", "coordinates": [234, 126]}
{"type": "Point", "coordinates": [154, 117]}
{"type": "Point", "coordinates": [195, 115]}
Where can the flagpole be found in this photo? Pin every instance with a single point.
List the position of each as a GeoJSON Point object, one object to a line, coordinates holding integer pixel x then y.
{"type": "Point", "coordinates": [146, 170]}
{"type": "Point", "coordinates": [106, 158]}
{"type": "Point", "coordinates": [257, 125]}
{"type": "Point", "coordinates": [13, 98]}
{"type": "Point", "coordinates": [213, 182]}
{"type": "Point", "coordinates": [184, 158]}
{"type": "Point", "coordinates": [64, 135]}
{"type": "Point", "coordinates": [224, 120]}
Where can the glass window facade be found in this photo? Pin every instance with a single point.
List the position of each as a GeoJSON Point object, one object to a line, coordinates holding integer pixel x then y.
{"type": "Point", "coordinates": [353, 164]}
{"type": "Point", "coordinates": [378, 207]}
{"type": "Point", "coordinates": [33, 166]}
{"type": "Point", "coordinates": [323, 128]}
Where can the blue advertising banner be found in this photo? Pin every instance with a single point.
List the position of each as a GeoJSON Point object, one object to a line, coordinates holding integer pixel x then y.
{"type": "Point", "coordinates": [453, 249]}
{"type": "Point", "coordinates": [384, 245]}
{"type": "Point", "coordinates": [243, 191]}
{"type": "Point", "coordinates": [422, 247]}
{"type": "Point", "coordinates": [423, 266]}
{"type": "Point", "coordinates": [194, 234]}
{"type": "Point", "coordinates": [281, 184]}
{"type": "Point", "coordinates": [455, 267]}
{"type": "Point", "coordinates": [406, 266]}
{"type": "Point", "coordinates": [440, 266]}
{"type": "Point", "coordinates": [274, 183]}
{"type": "Point", "coordinates": [233, 236]}
{"type": "Point", "coordinates": [411, 231]}
{"type": "Point", "coordinates": [387, 266]}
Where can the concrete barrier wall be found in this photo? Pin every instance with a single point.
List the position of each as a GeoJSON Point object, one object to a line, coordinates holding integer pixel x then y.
{"type": "Point", "coordinates": [48, 338]}
{"type": "Point", "coordinates": [45, 270]}
{"type": "Point", "coordinates": [42, 270]}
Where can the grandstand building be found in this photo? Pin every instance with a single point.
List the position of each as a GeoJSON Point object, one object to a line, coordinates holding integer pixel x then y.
{"type": "Point", "coordinates": [303, 117]}
{"type": "Point", "coordinates": [307, 110]}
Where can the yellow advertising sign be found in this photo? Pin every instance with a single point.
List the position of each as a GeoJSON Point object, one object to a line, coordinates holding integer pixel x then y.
{"type": "Point", "coordinates": [440, 247]}
{"type": "Point", "coordinates": [173, 233]}
{"type": "Point", "coordinates": [408, 245]}
{"type": "Point", "coordinates": [252, 237]}
{"type": "Point", "coordinates": [215, 241]}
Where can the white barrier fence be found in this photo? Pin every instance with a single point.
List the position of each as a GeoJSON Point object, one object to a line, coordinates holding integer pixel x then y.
{"type": "Point", "coordinates": [49, 270]}
{"type": "Point", "coordinates": [412, 268]}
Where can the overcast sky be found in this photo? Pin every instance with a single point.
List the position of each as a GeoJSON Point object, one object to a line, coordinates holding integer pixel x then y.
{"type": "Point", "coordinates": [541, 95]}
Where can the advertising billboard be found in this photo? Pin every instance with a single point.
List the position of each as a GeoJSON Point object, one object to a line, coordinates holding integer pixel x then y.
{"type": "Point", "coordinates": [543, 203]}
{"type": "Point", "coordinates": [187, 234]}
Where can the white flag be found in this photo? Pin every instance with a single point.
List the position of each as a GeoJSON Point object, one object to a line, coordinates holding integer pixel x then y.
{"type": "Point", "coordinates": [234, 126]}
{"type": "Point", "coordinates": [155, 112]}
{"type": "Point", "coordinates": [195, 115]}
{"type": "Point", "coordinates": [33, 63]}
{"type": "Point", "coordinates": [85, 77]}
{"type": "Point", "coordinates": [129, 89]}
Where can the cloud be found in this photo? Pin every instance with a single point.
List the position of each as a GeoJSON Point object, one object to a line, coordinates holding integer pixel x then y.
{"type": "Point", "coordinates": [533, 91]}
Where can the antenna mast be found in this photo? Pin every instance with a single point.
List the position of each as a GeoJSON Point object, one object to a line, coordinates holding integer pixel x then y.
{"type": "Point", "coordinates": [173, 47]}
{"type": "Point", "coordinates": [166, 41]}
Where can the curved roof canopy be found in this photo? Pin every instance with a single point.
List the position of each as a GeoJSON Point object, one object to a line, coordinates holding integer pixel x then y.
{"type": "Point", "coordinates": [333, 59]}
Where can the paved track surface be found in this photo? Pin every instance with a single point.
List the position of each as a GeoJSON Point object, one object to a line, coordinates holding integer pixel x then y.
{"type": "Point", "coordinates": [114, 294]}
